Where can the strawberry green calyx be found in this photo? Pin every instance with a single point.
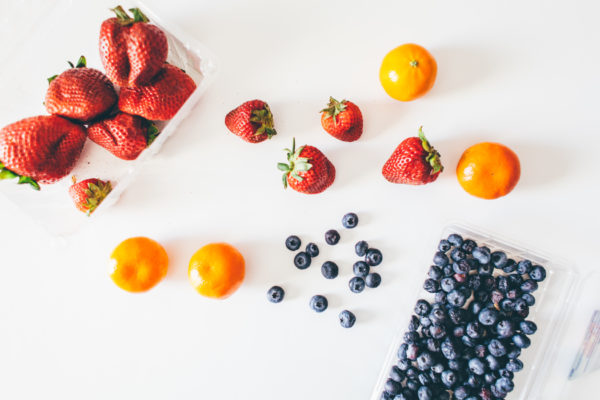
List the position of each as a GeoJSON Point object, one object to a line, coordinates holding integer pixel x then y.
{"type": "Point", "coordinates": [264, 117]}
{"type": "Point", "coordinates": [151, 133]}
{"type": "Point", "coordinates": [6, 173]}
{"type": "Point", "coordinates": [334, 108]}
{"type": "Point", "coordinates": [124, 18]}
{"type": "Point", "coordinates": [95, 193]}
{"type": "Point", "coordinates": [295, 164]}
{"type": "Point", "coordinates": [433, 157]}
{"type": "Point", "coordinates": [81, 63]}
{"type": "Point", "coordinates": [138, 15]}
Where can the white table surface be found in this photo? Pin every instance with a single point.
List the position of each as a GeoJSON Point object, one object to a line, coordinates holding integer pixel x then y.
{"type": "Point", "coordinates": [522, 73]}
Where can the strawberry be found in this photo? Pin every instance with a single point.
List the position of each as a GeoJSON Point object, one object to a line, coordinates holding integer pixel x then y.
{"type": "Point", "coordinates": [342, 120]}
{"type": "Point", "coordinates": [40, 149]}
{"type": "Point", "coordinates": [132, 50]}
{"type": "Point", "coordinates": [88, 194]}
{"type": "Point", "coordinates": [252, 121]}
{"type": "Point", "coordinates": [80, 93]}
{"type": "Point", "coordinates": [161, 98]}
{"type": "Point", "coordinates": [124, 135]}
{"type": "Point", "coordinates": [308, 170]}
{"type": "Point", "coordinates": [414, 162]}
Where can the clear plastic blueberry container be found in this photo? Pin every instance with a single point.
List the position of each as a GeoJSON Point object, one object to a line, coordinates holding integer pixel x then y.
{"type": "Point", "coordinates": [49, 34]}
{"type": "Point", "coordinates": [554, 300]}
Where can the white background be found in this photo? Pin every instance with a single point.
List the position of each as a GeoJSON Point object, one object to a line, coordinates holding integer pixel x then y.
{"type": "Point", "coordinates": [522, 73]}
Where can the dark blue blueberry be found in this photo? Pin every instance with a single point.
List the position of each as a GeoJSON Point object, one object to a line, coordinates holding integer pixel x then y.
{"type": "Point", "coordinates": [360, 248]}
{"type": "Point", "coordinates": [474, 282]}
{"type": "Point", "coordinates": [489, 378]}
{"type": "Point", "coordinates": [497, 348]}
{"type": "Point", "coordinates": [425, 393]}
{"type": "Point", "coordinates": [457, 255]}
{"type": "Point", "coordinates": [514, 365]}
{"type": "Point", "coordinates": [329, 269]}
{"type": "Point", "coordinates": [455, 239]}
{"type": "Point", "coordinates": [422, 307]}
{"type": "Point", "coordinates": [498, 394]}
{"type": "Point", "coordinates": [302, 260]}
{"type": "Point", "coordinates": [438, 368]}
{"type": "Point", "coordinates": [507, 305]}
{"type": "Point", "coordinates": [431, 285]}
{"type": "Point", "coordinates": [373, 257]}
{"type": "Point", "coordinates": [468, 246]}
{"type": "Point", "coordinates": [392, 387]}
{"type": "Point", "coordinates": [332, 237]}
{"type": "Point", "coordinates": [502, 283]}
{"type": "Point", "coordinates": [481, 295]}
{"type": "Point", "coordinates": [457, 365]}
{"type": "Point", "coordinates": [510, 266]}
{"type": "Point", "coordinates": [275, 294]}
{"type": "Point", "coordinates": [373, 280]}
{"type": "Point", "coordinates": [433, 345]}
{"type": "Point", "coordinates": [440, 259]}
{"type": "Point", "coordinates": [440, 297]}
{"type": "Point", "coordinates": [529, 286]}
{"type": "Point", "coordinates": [402, 351]}
{"type": "Point", "coordinates": [424, 361]}
{"type": "Point", "coordinates": [505, 385]}
{"type": "Point", "coordinates": [528, 299]}
{"type": "Point", "coordinates": [412, 373]}
{"type": "Point", "coordinates": [449, 349]}
{"type": "Point", "coordinates": [515, 280]}
{"type": "Point", "coordinates": [435, 273]}
{"type": "Point", "coordinates": [523, 267]}
{"type": "Point", "coordinates": [482, 254]}
{"type": "Point", "coordinates": [350, 220]}
{"type": "Point", "coordinates": [397, 374]}
{"type": "Point", "coordinates": [499, 259]}
{"type": "Point", "coordinates": [496, 296]}
{"type": "Point", "coordinates": [443, 395]}
{"type": "Point", "coordinates": [318, 303]}
{"type": "Point", "coordinates": [448, 270]}
{"type": "Point", "coordinates": [537, 273]}
{"type": "Point", "coordinates": [425, 321]}
{"type": "Point", "coordinates": [485, 394]}
{"type": "Point", "coordinates": [488, 282]}
{"type": "Point", "coordinates": [414, 323]}
{"type": "Point", "coordinates": [407, 394]}
{"type": "Point", "coordinates": [474, 381]}
{"type": "Point", "coordinates": [528, 327]}
{"type": "Point", "coordinates": [521, 308]}
{"type": "Point", "coordinates": [356, 284]}
{"type": "Point", "coordinates": [505, 328]}
{"type": "Point", "coordinates": [475, 307]}
{"type": "Point", "coordinates": [457, 315]}
{"type": "Point", "coordinates": [312, 249]}
{"type": "Point", "coordinates": [437, 331]}
{"type": "Point", "coordinates": [513, 294]}
{"type": "Point", "coordinates": [506, 374]}
{"type": "Point", "coordinates": [411, 338]}
{"type": "Point", "coordinates": [404, 364]}
{"type": "Point", "coordinates": [448, 284]}
{"type": "Point", "coordinates": [513, 352]}
{"type": "Point", "coordinates": [456, 298]}
{"type": "Point", "coordinates": [476, 366]}
{"type": "Point", "coordinates": [437, 315]}
{"type": "Point", "coordinates": [347, 319]}
{"type": "Point", "coordinates": [485, 269]}
{"type": "Point", "coordinates": [459, 331]}
{"type": "Point", "coordinates": [492, 362]}
{"type": "Point", "coordinates": [473, 398]}
{"type": "Point", "coordinates": [461, 393]}
{"type": "Point", "coordinates": [448, 378]}
{"type": "Point", "coordinates": [461, 267]}
{"type": "Point", "coordinates": [444, 245]}
{"type": "Point", "coordinates": [475, 330]}
{"type": "Point", "coordinates": [425, 379]}
{"type": "Point", "coordinates": [293, 243]}
{"type": "Point", "coordinates": [488, 316]}
{"type": "Point", "coordinates": [361, 268]}
{"type": "Point", "coordinates": [412, 385]}
{"type": "Point", "coordinates": [386, 396]}
{"type": "Point", "coordinates": [480, 351]}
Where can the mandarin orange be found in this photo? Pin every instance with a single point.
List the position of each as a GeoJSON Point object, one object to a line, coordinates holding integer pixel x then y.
{"type": "Point", "coordinates": [217, 270]}
{"type": "Point", "coordinates": [138, 264]}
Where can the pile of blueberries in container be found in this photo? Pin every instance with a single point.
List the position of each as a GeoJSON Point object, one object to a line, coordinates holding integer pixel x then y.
{"type": "Point", "coordinates": [466, 343]}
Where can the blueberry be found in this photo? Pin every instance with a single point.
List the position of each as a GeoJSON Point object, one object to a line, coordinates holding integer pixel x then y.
{"type": "Point", "coordinates": [448, 270]}
{"type": "Point", "coordinates": [486, 269]}
{"type": "Point", "coordinates": [402, 351]}
{"type": "Point", "coordinates": [504, 385]}
{"type": "Point", "coordinates": [476, 366]}
{"type": "Point", "coordinates": [350, 220]}
{"type": "Point", "coordinates": [293, 243]}
{"type": "Point", "coordinates": [275, 294]}
{"type": "Point", "coordinates": [537, 273]}
{"type": "Point", "coordinates": [492, 362]}
{"type": "Point", "coordinates": [521, 308]}
{"type": "Point", "coordinates": [485, 394]}
{"type": "Point", "coordinates": [498, 394]}
{"type": "Point", "coordinates": [386, 396]}
{"type": "Point", "coordinates": [435, 273]}
{"type": "Point", "coordinates": [407, 394]}
{"type": "Point", "coordinates": [425, 321]}
{"type": "Point", "coordinates": [481, 295]}
{"type": "Point", "coordinates": [312, 250]}
{"type": "Point", "coordinates": [510, 266]}
{"type": "Point", "coordinates": [360, 248]}
{"type": "Point", "coordinates": [474, 381]}
{"type": "Point", "coordinates": [498, 259]}
{"type": "Point", "coordinates": [412, 385]}
{"type": "Point", "coordinates": [488, 316]}
{"type": "Point", "coordinates": [329, 269]}
{"type": "Point", "coordinates": [437, 314]}
{"type": "Point", "coordinates": [468, 341]}
{"type": "Point", "coordinates": [461, 267]}
{"type": "Point", "coordinates": [440, 297]}
{"type": "Point", "coordinates": [404, 364]}
{"type": "Point", "coordinates": [482, 254]}
{"type": "Point", "coordinates": [425, 393]}
{"type": "Point", "coordinates": [448, 284]}
{"type": "Point", "coordinates": [457, 255]}
{"type": "Point", "coordinates": [480, 351]}
{"type": "Point", "coordinates": [424, 361]}
{"type": "Point", "coordinates": [448, 378]}
{"type": "Point", "coordinates": [302, 260]}
{"type": "Point", "coordinates": [431, 285]}
{"type": "Point", "coordinates": [459, 331]}
{"type": "Point", "coordinates": [529, 286]}
{"type": "Point", "coordinates": [505, 328]}
{"type": "Point", "coordinates": [461, 393]}
{"type": "Point", "coordinates": [514, 365]}
{"type": "Point", "coordinates": [502, 283]}
{"type": "Point", "coordinates": [422, 307]}
{"type": "Point", "coordinates": [457, 315]}
{"type": "Point", "coordinates": [468, 246]}
{"type": "Point", "coordinates": [507, 305]}
{"type": "Point", "coordinates": [456, 298]}
{"type": "Point", "coordinates": [412, 373]}
{"type": "Point", "coordinates": [347, 319]}
{"type": "Point", "coordinates": [455, 239]}
{"type": "Point", "coordinates": [496, 296]}
{"type": "Point", "coordinates": [373, 257]}
{"type": "Point", "coordinates": [444, 245]}
{"type": "Point", "coordinates": [515, 280]}
{"type": "Point", "coordinates": [440, 259]}
{"type": "Point", "coordinates": [318, 303]}
{"type": "Point", "coordinates": [373, 280]}
{"type": "Point", "coordinates": [425, 379]}
{"type": "Point", "coordinates": [414, 323]}
{"type": "Point", "coordinates": [489, 378]}
{"type": "Point", "coordinates": [437, 331]}
{"type": "Point", "coordinates": [356, 284]}
{"type": "Point", "coordinates": [449, 349]}
{"type": "Point", "coordinates": [475, 330]}
{"type": "Point", "coordinates": [506, 374]}
{"type": "Point", "coordinates": [433, 345]}
{"type": "Point", "coordinates": [523, 267]}
{"type": "Point", "coordinates": [392, 387]}
{"type": "Point", "coordinates": [396, 374]}
{"type": "Point", "coordinates": [437, 368]}
{"type": "Point", "coordinates": [497, 348]}
{"type": "Point", "coordinates": [513, 352]}
{"type": "Point", "coordinates": [528, 327]}
{"type": "Point", "coordinates": [475, 307]}
{"type": "Point", "coordinates": [332, 237]}
{"type": "Point", "coordinates": [361, 268]}
{"type": "Point", "coordinates": [474, 282]}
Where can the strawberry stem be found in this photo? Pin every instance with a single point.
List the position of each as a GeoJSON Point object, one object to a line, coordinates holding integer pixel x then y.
{"type": "Point", "coordinates": [433, 157]}
{"type": "Point", "coordinates": [6, 173]}
{"type": "Point", "coordinates": [334, 108]}
{"type": "Point", "coordinates": [95, 193]}
{"type": "Point", "coordinates": [151, 134]}
{"type": "Point", "coordinates": [264, 117]}
{"type": "Point", "coordinates": [138, 15]}
{"type": "Point", "coordinates": [296, 164]}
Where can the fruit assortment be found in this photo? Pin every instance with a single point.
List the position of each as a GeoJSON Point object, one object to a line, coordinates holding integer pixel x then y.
{"type": "Point", "coordinates": [465, 342]}
{"type": "Point", "coordinates": [330, 270]}
{"type": "Point", "coordinates": [114, 110]}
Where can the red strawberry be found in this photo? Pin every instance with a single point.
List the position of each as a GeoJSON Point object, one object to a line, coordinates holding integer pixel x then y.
{"type": "Point", "coordinates": [161, 98]}
{"type": "Point", "coordinates": [414, 162]}
{"type": "Point", "coordinates": [308, 170]}
{"type": "Point", "coordinates": [132, 50]}
{"type": "Point", "coordinates": [252, 121]}
{"type": "Point", "coordinates": [80, 93]}
{"type": "Point", "coordinates": [124, 135]}
{"type": "Point", "coordinates": [88, 194]}
{"type": "Point", "coordinates": [40, 149]}
{"type": "Point", "coordinates": [342, 120]}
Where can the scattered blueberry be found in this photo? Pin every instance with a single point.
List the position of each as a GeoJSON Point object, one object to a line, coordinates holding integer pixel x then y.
{"type": "Point", "coordinates": [523, 267]}
{"type": "Point", "coordinates": [435, 273]}
{"type": "Point", "coordinates": [373, 280]}
{"type": "Point", "coordinates": [275, 294]}
{"type": "Point", "coordinates": [440, 259]}
{"type": "Point", "coordinates": [529, 286]}
{"type": "Point", "coordinates": [312, 249]}
{"type": "Point", "coordinates": [499, 259]}
{"type": "Point", "coordinates": [528, 299]}
{"type": "Point", "coordinates": [332, 237]}
{"type": "Point", "coordinates": [455, 239]}
{"type": "Point", "coordinates": [356, 284]}
{"type": "Point", "coordinates": [510, 266]}
{"type": "Point", "coordinates": [361, 268]}
{"type": "Point", "coordinates": [422, 307]}
{"type": "Point", "coordinates": [373, 257]}
{"type": "Point", "coordinates": [521, 341]}
{"type": "Point", "coordinates": [350, 220]}
{"type": "Point", "coordinates": [528, 327]}
{"type": "Point", "coordinates": [360, 248]}
{"type": "Point", "coordinates": [444, 246]}
{"type": "Point", "coordinates": [537, 273]}
{"type": "Point", "coordinates": [302, 260]}
{"type": "Point", "coordinates": [318, 303]}
{"type": "Point", "coordinates": [431, 285]}
{"type": "Point", "coordinates": [497, 348]}
{"type": "Point", "coordinates": [482, 255]}
{"type": "Point", "coordinates": [293, 243]}
{"type": "Point", "coordinates": [329, 269]}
